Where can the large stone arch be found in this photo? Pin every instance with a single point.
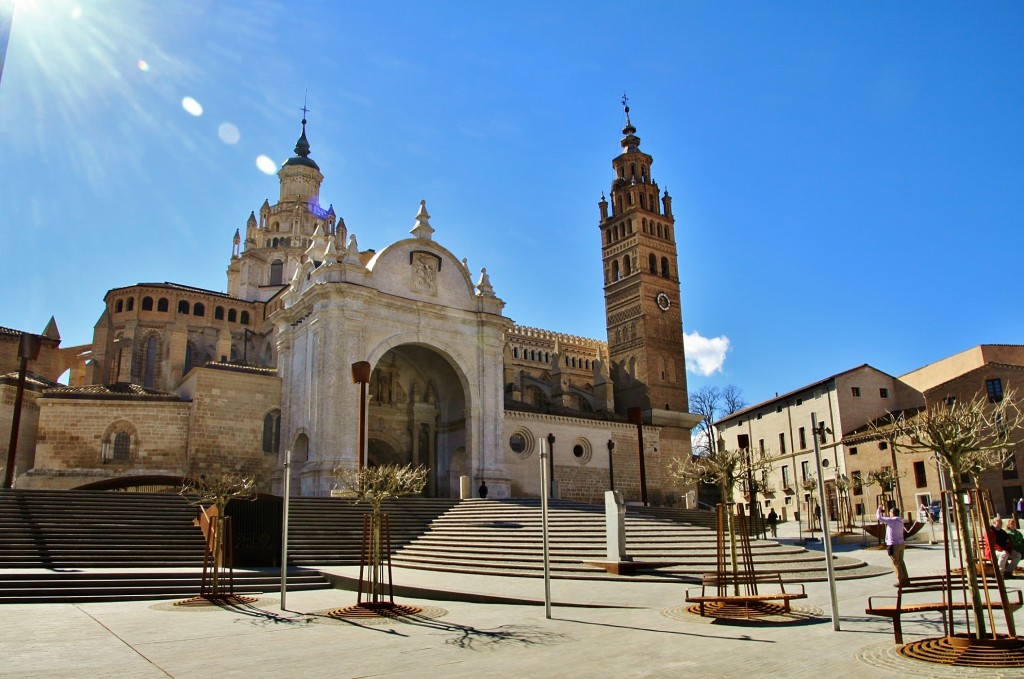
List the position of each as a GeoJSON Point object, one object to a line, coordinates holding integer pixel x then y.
{"type": "Point", "coordinates": [420, 408]}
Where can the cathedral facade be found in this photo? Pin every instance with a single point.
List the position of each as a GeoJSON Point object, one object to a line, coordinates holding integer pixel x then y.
{"type": "Point", "coordinates": [181, 380]}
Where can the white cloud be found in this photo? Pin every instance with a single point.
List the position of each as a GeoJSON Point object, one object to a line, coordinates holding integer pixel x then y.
{"type": "Point", "coordinates": [705, 355]}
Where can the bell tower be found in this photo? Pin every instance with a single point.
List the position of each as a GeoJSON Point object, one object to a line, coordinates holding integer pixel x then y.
{"type": "Point", "coordinates": [641, 287]}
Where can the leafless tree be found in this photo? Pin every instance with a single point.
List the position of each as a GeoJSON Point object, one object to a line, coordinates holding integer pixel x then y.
{"type": "Point", "coordinates": [713, 403]}
{"type": "Point", "coordinates": [968, 437]}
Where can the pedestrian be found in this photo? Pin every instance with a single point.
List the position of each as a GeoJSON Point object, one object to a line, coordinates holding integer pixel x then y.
{"type": "Point", "coordinates": [817, 517]}
{"type": "Point", "coordinates": [1020, 506]}
{"type": "Point", "coordinates": [773, 522]}
{"type": "Point", "coordinates": [894, 532]}
{"type": "Point", "coordinates": [999, 548]}
{"type": "Point", "coordinates": [483, 489]}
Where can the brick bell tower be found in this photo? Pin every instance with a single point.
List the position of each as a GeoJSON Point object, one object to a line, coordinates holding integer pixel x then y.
{"type": "Point", "coordinates": [641, 288]}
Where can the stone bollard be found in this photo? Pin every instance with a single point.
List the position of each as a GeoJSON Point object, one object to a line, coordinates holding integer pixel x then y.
{"type": "Point", "coordinates": [615, 525]}
{"type": "Point", "coordinates": [464, 490]}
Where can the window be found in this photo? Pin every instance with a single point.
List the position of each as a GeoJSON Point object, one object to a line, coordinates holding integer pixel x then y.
{"type": "Point", "coordinates": [199, 309]}
{"type": "Point", "coordinates": [799, 401]}
{"type": "Point", "coordinates": [244, 318]}
{"type": "Point", "coordinates": [272, 432]}
{"type": "Point", "coordinates": [149, 363]}
{"type": "Point", "coordinates": [232, 315]}
{"type": "Point", "coordinates": [131, 303]}
{"type": "Point", "coordinates": [577, 450]}
{"type": "Point", "coordinates": [883, 392]}
{"type": "Point", "coordinates": [182, 307]}
{"type": "Point", "coordinates": [805, 470]}
{"type": "Point", "coordinates": [853, 451]}
{"type": "Point", "coordinates": [218, 313]}
{"type": "Point", "coordinates": [782, 443]}
{"type": "Point", "coordinates": [665, 273]}
{"type": "Point", "coordinates": [778, 409]}
{"type": "Point", "coordinates": [147, 303]}
{"type": "Point", "coordinates": [857, 483]}
{"type": "Point", "coordinates": [855, 391]}
{"type": "Point", "coordinates": [162, 305]}
{"type": "Point", "coordinates": [759, 416]}
{"type": "Point", "coordinates": [760, 446]}
{"type": "Point", "coordinates": [122, 447]}
{"type": "Point", "coordinates": [920, 475]}
{"type": "Point", "coordinates": [276, 272]}
{"type": "Point", "coordinates": [995, 390]}
{"type": "Point", "coordinates": [785, 476]}
{"type": "Point", "coordinates": [882, 445]}
{"type": "Point", "coordinates": [627, 266]}
{"type": "Point", "coordinates": [803, 438]}
{"type": "Point", "coordinates": [1010, 468]}
{"type": "Point", "coordinates": [615, 270]}
{"type": "Point", "coordinates": [119, 307]}
{"type": "Point", "coordinates": [652, 262]}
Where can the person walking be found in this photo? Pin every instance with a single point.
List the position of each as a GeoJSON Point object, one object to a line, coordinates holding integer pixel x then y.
{"type": "Point", "coordinates": [773, 522]}
{"type": "Point", "coordinates": [894, 534]}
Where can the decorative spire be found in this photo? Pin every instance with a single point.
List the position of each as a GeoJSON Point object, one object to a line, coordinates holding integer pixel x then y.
{"type": "Point", "coordinates": [330, 252]}
{"type": "Point", "coordinates": [630, 142]}
{"type": "Point", "coordinates": [301, 156]}
{"type": "Point", "coordinates": [352, 252]}
{"type": "Point", "coordinates": [422, 228]}
{"type": "Point", "coordinates": [483, 286]}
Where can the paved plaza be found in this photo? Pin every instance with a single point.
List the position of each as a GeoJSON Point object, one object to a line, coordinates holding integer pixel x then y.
{"type": "Point", "coordinates": [487, 627]}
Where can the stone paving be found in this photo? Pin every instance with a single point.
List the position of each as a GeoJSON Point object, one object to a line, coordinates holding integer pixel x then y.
{"type": "Point", "coordinates": [597, 629]}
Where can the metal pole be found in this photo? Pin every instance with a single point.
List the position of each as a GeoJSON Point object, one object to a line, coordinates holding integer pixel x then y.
{"type": "Point", "coordinates": [284, 525]}
{"type": "Point", "coordinates": [551, 465]}
{"type": "Point", "coordinates": [28, 350]}
{"type": "Point", "coordinates": [611, 466]}
{"type": "Point", "coordinates": [636, 416]}
{"type": "Point", "coordinates": [544, 525]}
{"type": "Point", "coordinates": [826, 533]}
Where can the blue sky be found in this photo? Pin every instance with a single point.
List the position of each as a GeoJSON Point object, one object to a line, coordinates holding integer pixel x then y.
{"type": "Point", "coordinates": [847, 177]}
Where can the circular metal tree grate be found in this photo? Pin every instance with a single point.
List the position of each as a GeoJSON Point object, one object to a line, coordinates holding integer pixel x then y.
{"type": "Point", "coordinates": [960, 650]}
{"type": "Point", "coordinates": [749, 610]}
{"type": "Point", "coordinates": [385, 609]}
{"type": "Point", "coordinates": [217, 600]}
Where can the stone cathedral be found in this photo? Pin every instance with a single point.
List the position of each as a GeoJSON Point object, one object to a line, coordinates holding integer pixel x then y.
{"type": "Point", "coordinates": [181, 380]}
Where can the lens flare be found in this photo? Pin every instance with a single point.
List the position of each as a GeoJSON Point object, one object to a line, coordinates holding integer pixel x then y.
{"type": "Point", "coordinates": [192, 106]}
{"type": "Point", "coordinates": [266, 165]}
{"type": "Point", "coordinates": [143, 65]}
{"type": "Point", "coordinates": [228, 133]}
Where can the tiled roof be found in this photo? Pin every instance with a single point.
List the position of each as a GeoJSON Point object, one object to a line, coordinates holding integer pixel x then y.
{"type": "Point", "coordinates": [120, 391]}
{"type": "Point", "coordinates": [561, 411]}
{"type": "Point", "coordinates": [241, 368]}
{"type": "Point", "coordinates": [183, 288]}
{"type": "Point", "coordinates": [32, 381]}
{"type": "Point", "coordinates": [10, 331]}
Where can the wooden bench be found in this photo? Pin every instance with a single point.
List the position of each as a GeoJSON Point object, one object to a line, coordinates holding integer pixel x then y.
{"type": "Point", "coordinates": [918, 595]}
{"type": "Point", "coordinates": [747, 584]}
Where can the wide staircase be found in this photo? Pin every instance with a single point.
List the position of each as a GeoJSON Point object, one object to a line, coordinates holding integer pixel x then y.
{"type": "Point", "coordinates": [502, 537]}
{"type": "Point", "coordinates": [75, 546]}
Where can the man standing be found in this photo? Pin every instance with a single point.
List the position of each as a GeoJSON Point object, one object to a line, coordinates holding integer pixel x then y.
{"type": "Point", "coordinates": [894, 531]}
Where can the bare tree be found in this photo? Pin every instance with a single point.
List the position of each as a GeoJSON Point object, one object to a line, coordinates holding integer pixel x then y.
{"type": "Point", "coordinates": [713, 403]}
{"type": "Point", "coordinates": [968, 437]}
{"type": "Point", "coordinates": [724, 468]}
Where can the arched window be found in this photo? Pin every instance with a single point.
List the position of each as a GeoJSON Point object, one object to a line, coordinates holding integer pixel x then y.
{"type": "Point", "coordinates": [272, 432]}
{"type": "Point", "coordinates": [131, 303]}
{"type": "Point", "coordinates": [232, 315]}
{"type": "Point", "coordinates": [643, 202]}
{"type": "Point", "coordinates": [659, 230]}
{"type": "Point", "coordinates": [273, 243]}
{"type": "Point", "coordinates": [276, 272]}
{"type": "Point", "coordinates": [664, 268]}
{"type": "Point", "coordinates": [300, 451]}
{"type": "Point", "coordinates": [147, 303]}
{"type": "Point", "coordinates": [199, 309]}
{"type": "Point", "coordinates": [218, 313]}
{"type": "Point", "coordinates": [652, 262]}
{"type": "Point", "coordinates": [547, 357]}
{"type": "Point", "coordinates": [149, 362]}
{"type": "Point", "coordinates": [122, 447]}
{"type": "Point", "coordinates": [629, 225]}
{"type": "Point", "coordinates": [515, 352]}
{"type": "Point", "coordinates": [182, 307]}
{"type": "Point", "coordinates": [119, 306]}
{"type": "Point", "coordinates": [626, 266]}
{"type": "Point", "coordinates": [615, 271]}
{"type": "Point", "coordinates": [162, 305]}
{"type": "Point", "coordinates": [245, 318]}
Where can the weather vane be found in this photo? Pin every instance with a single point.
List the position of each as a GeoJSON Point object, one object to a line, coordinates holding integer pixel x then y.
{"type": "Point", "coordinates": [625, 102]}
{"type": "Point", "coordinates": [304, 109]}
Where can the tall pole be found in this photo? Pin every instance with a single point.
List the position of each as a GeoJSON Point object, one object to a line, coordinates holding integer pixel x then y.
{"type": "Point", "coordinates": [611, 466]}
{"type": "Point", "coordinates": [636, 416]}
{"type": "Point", "coordinates": [544, 525]}
{"type": "Point", "coordinates": [826, 533]}
{"type": "Point", "coordinates": [28, 350]}
{"type": "Point", "coordinates": [361, 375]}
{"type": "Point", "coordinates": [284, 525]}
{"type": "Point", "coordinates": [551, 465]}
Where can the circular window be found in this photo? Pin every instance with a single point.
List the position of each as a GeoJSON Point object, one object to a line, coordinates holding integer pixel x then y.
{"type": "Point", "coordinates": [521, 442]}
{"type": "Point", "coordinates": [517, 442]}
{"type": "Point", "coordinates": [582, 450]}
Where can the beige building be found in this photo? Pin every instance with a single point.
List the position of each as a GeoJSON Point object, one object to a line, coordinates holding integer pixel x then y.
{"type": "Point", "coordinates": [180, 379]}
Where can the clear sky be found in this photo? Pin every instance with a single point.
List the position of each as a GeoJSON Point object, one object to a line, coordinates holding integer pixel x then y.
{"type": "Point", "coordinates": [848, 178]}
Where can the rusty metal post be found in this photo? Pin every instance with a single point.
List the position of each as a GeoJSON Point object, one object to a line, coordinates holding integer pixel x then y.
{"type": "Point", "coordinates": [28, 350]}
{"type": "Point", "coordinates": [636, 416]}
{"type": "Point", "coordinates": [361, 376]}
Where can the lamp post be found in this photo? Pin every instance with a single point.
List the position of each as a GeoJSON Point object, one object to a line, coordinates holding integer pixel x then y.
{"type": "Point", "coordinates": [636, 416]}
{"type": "Point", "coordinates": [611, 467]}
{"type": "Point", "coordinates": [551, 465]}
{"type": "Point", "coordinates": [28, 350]}
{"type": "Point", "coordinates": [361, 376]}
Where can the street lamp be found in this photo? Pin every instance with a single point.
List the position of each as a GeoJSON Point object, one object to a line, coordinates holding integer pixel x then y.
{"type": "Point", "coordinates": [551, 464]}
{"type": "Point", "coordinates": [361, 376]}
{"type": "Point", "coordinates": [28, 350]}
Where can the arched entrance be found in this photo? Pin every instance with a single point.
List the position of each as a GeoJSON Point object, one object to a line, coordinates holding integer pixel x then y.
{"type": "Point", "coordinates": [417, 414]}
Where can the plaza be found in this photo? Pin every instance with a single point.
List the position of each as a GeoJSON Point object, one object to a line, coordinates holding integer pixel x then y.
{"type": "Point", "coordinates": [475, 625]}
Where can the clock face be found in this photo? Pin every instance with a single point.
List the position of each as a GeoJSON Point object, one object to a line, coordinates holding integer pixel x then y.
{"type": "Point", "coordinates": [663, 301]}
